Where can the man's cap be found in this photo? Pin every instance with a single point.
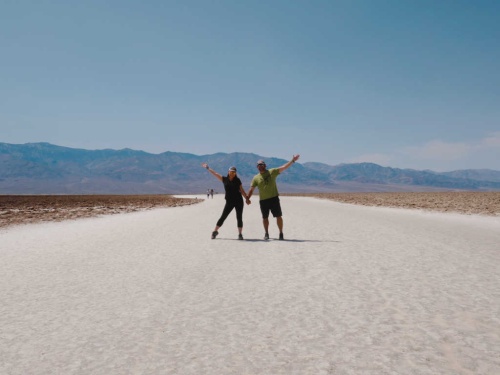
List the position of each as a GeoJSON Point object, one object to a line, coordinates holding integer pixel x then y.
{"type": "Point", "coordinates": [232, 169]}
{"type": "Point", "coordinates": [261, 162]}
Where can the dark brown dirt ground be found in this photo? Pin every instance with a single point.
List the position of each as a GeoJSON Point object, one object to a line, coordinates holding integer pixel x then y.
{"type": "Point", "coordinates": [24, 209]}
{"type": "Point", "coordinates": [468, 202]}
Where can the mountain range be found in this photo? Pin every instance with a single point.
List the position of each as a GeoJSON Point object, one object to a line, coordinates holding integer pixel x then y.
{"type": "Point", "coordinates": [43, 168]}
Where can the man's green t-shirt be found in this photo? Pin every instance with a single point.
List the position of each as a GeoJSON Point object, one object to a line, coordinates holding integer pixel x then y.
{"type": "Point", "coordinates": [266, 182]}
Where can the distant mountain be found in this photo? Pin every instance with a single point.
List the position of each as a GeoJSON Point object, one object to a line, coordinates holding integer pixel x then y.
{"type": "Point", "coordinates": [476, 174]}
{"type": "Point", "coordinates": [43, 168]}
{"type": "Point", "coordinates": [375, 174]}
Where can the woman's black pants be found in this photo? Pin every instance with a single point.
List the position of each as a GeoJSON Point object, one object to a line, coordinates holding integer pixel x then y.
{"type": "Point", "coordinates": [238, 205]}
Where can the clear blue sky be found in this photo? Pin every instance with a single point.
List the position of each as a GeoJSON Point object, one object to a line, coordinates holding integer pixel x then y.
{"type": "Point", "coordinates": [407, 84]}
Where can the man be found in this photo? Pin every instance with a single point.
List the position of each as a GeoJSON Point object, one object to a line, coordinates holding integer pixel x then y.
{"type": "Point", "coordinates": [268, 193]}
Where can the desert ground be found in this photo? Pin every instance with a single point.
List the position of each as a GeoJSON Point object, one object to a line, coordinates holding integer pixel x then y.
{"type": "Point", "coordinates": [463, 202]}
{"type": "Point", "coordinates": [25, 209]}
{"type": "Point", "coordinates": [351, 290]}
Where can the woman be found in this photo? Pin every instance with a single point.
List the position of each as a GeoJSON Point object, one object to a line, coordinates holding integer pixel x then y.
{"type": "Point", "coordinates": [234, 191]}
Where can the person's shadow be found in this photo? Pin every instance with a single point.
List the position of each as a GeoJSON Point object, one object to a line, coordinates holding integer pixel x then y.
{"type": "Point", "coordinates": [273, 239]}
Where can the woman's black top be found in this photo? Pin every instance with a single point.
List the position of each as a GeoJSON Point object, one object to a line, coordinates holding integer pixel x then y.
{"type": "Point", "coordinates": [232, 188]}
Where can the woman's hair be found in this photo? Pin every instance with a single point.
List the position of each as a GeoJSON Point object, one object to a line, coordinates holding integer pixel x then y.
{"type": "Point", "coordinates": [232, 169]}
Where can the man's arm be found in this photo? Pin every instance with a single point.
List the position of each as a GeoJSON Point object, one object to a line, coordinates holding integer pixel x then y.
{"type": "Point", "coordinates": [250, 192]}
{"type": "Point", "coordinates": [242, 191]}
{"type": "Point", "coordinates": [287, 165]}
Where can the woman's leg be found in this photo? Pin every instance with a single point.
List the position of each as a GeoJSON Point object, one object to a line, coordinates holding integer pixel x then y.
{"type": "Point", "coordinates": [225, 213]}
{"type": "Point", "coordinates": [239, 215]}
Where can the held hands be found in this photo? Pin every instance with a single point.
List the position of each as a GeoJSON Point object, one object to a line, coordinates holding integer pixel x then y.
{"type": "Point", "coordinates": [295, 158]}
{"type": "Point", "coordinates": [205, 165]}
{"type": "Point", "coordinates": [248, 201]}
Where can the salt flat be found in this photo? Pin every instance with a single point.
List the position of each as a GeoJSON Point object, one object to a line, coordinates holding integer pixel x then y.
{"type": "Point", "coordinates": [353, 290]}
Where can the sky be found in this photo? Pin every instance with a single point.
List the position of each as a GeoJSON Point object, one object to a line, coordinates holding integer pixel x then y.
{"type": "Point", "coordinates": [400, 83]}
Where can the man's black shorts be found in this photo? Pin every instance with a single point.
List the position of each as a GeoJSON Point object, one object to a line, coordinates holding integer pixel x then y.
{"type": "Point", "coordinates": [271, 204]}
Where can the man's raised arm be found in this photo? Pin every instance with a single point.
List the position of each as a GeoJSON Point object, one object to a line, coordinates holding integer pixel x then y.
{"type": "Point", "coordinates": [287, 165]}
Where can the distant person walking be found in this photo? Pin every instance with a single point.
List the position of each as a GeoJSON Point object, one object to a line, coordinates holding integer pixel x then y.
{"type": "Point", "coordinates": [269, 199]}
{"type": "Point", "coordinates": [234, 192]}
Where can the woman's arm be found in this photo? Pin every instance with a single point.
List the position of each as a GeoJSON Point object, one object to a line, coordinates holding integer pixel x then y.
{"type": "Point", "coordinates": [245, 195]}
{"type": "Point", "coordinates": [218, 176]}
{"type": "Point", "coordinates": [243, 192]}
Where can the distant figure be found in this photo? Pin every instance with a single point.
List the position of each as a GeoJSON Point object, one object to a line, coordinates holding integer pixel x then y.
{"type": "Point", "coordinates": [265, 181]}
{"type": "Point", "coordinates": [234, 191]}
{"type": "Point", "coordinates": [212, 193]}
{"type": "Point", "coordinates": [208, 193]}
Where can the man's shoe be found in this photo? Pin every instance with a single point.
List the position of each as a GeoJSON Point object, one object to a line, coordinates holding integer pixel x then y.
{"type": "Point", "coordinates": [214, 234]}
{"type": "Point", "coordinates": [266, 236]}
{"type": "Point", "coordinates": [281, 236]}
{"type": "Point", "coordinates": [240, 236]}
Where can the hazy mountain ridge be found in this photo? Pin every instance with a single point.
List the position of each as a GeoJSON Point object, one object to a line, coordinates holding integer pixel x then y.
{"type": "Point", "coordinates": [476, 174]}
{"type": "Point", "coordinates": [43, 168]}
{"type": "Point", "coordinates": [376, 174]}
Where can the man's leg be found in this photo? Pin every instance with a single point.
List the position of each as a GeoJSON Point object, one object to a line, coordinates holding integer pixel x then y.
{"type": "Point", "coordinates": [266, 224]}
{"type": "Point", "coordinates": [279, 221]}
{"type": "Point", "coordinates": [265, 221]}
{"type": "Point", "coordinates": [276, 210]}
{"type": "Point", "coordinates": [264, 209]}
